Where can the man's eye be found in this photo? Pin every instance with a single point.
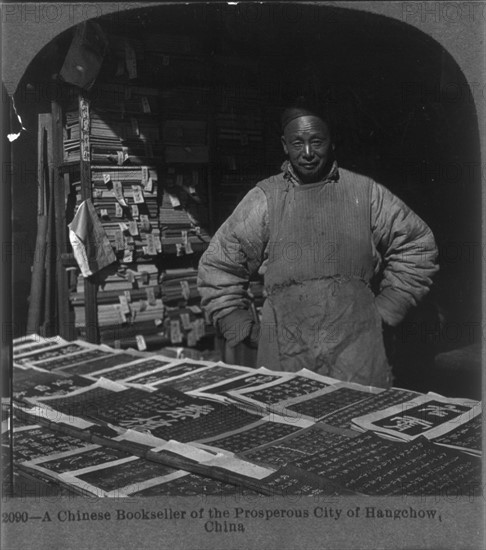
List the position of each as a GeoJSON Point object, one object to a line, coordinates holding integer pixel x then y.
{"type": "Point", "coordinates": [296, 144]}
{"type": "Point", "coordinates": [317, 143]}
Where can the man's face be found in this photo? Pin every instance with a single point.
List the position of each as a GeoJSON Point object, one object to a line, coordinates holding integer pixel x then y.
{"type": "Point", "coordinates": [307, 142]}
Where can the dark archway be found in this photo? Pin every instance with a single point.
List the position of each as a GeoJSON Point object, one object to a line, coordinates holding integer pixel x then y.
{"type": "Point", "coordinates": [404, 113]}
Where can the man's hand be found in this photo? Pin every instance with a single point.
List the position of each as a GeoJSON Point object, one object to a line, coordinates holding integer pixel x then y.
{"type": "Point", "coordinates": [237, 326]}
{"type": "Point", "coordinates": [254, 336]}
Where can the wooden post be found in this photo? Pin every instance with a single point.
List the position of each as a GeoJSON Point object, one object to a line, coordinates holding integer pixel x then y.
{"type": "Point", "coordinates": [38, 271]}
{"type": "Point", "coordinates": [90, 286]}
{"type": "Point", "coordinates": [49, 322]}
{"type": "Point", "coordinates": [65, 323]}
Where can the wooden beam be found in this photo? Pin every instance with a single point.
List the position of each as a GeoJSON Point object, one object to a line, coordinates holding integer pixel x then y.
{"type": "Point", "coordinates": [65, 320]}
{"type": "Point", "coordinates": [38, 268]}
{"type": "Point", "coordinates": [90, 286]}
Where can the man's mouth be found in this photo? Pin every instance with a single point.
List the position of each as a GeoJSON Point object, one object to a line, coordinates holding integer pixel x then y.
{"type": "Point", "coordinates": [309, 165]}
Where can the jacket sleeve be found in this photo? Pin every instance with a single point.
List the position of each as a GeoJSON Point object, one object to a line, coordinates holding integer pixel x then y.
{"type": "Point", "coordinates": [235, 252]}
{"type": "Point", "coordinates": [408, 252]}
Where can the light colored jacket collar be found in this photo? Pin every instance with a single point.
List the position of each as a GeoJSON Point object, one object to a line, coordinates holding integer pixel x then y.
{"type": "Point", "coordinates": [290, 175]}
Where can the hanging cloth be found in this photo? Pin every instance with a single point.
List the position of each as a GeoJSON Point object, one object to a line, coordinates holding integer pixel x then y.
{"type": "Point", "coordinates": [91, 247]}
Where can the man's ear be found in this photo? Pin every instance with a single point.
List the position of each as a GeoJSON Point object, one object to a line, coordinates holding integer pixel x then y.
{"type": "Point", "coordinates": [284, 145]}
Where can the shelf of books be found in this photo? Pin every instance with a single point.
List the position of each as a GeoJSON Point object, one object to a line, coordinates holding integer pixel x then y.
{"type": "Point", "coordinates": [171, 135]}
{"type": "Point", "coordinates": [148, 169]}
{"type": "Point", "coordinates": [101, 421]}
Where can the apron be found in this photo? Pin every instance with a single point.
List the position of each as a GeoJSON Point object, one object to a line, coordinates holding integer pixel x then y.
{"type": "Point", "coordinates": [320, 312]}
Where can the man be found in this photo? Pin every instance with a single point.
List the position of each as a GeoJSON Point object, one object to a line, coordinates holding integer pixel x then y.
{"type": "Point", "coordinates": [320, 235]}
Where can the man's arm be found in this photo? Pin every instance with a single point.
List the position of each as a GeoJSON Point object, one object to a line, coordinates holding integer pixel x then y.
{"type": "Point", "coordinates": [236, 252]}
{"type": "Point", "coordinates": [408, 251]}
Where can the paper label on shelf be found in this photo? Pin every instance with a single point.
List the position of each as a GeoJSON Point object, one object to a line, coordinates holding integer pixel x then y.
{"type": "Point", "coordinates": [141, 344]}
{"type": "Point", "coordinates": [142, 304]}
{"type": "Point", "coordinates": [158, 322]}
{"type": "Point", "coordinates": [149, 185]}
{"type": "Point", "coordinates": [123, 226]}
{"type": "Point", "coordinates": [186, 291]}
{"type": "Point", "coordinates": [145, 175]}
{"type": "Point", "coordinates": [135, 212]}
{"type": "Point", "coordinates": [186, 242]}
{"type": "Point", "coordinates": [118, 192]}
{"type": "Point", "coordinates": [151, 245]}
{"type": "Point", "coordinates": [128, 256]}
{"type": "Point", "coordinates": [122, 319]}
{"type": "Point", "coordinates": [176, 336]}
{"type": "Point", "coordinates": [85, 120]}
{"type": "Point", "coordinates": [133, 228]}
{"type": "Point", "coordinates": [188, 248]}
{"type": "Point", "coordinates": [137, 194]}
{"type": "Point", "coordinates": [174, 200]}
{"type": "Point", "coordinates": [158, 244]}
{"type": "Point", "coordinates": [144, 223]}
{"type": "Point", "coordinates": [150, 295]}
{"type": "Point", "coordinates": [145, 104]}
{"type": "Point", "coordinates": [97, 193]}
{"type": "Point", "coordinates": [119, 240]}
{"type": "Point", "coordinates": [125, 308]}
{"type": "Point", "coordinates": [179, 249]}
{"type": "Point", "coordinates": [131, 276]}
{"type": "Point", "coordinates": [186, 321]}
{"type": "Point", "coordinates": [104, 213]}
{"type": "Point", "coordinates": [195, 309]}
{"type": "Point", "coordinates": [118, 210]}
{"type": "Point", "coordinates": [106, 178]}
{"type": "Point", "coordinates": [127, 295]}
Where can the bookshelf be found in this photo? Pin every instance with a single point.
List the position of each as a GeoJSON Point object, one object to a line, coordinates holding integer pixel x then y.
{"type": "Point", "coordinates": [165, 144]}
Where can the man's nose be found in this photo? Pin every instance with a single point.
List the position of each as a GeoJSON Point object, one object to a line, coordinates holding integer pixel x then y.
{"type": "Point", "coordinates": [308, 152]}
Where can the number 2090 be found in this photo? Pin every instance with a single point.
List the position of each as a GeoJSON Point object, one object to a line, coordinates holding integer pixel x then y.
{"type": "Point", "coordinates": [15, 517]}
